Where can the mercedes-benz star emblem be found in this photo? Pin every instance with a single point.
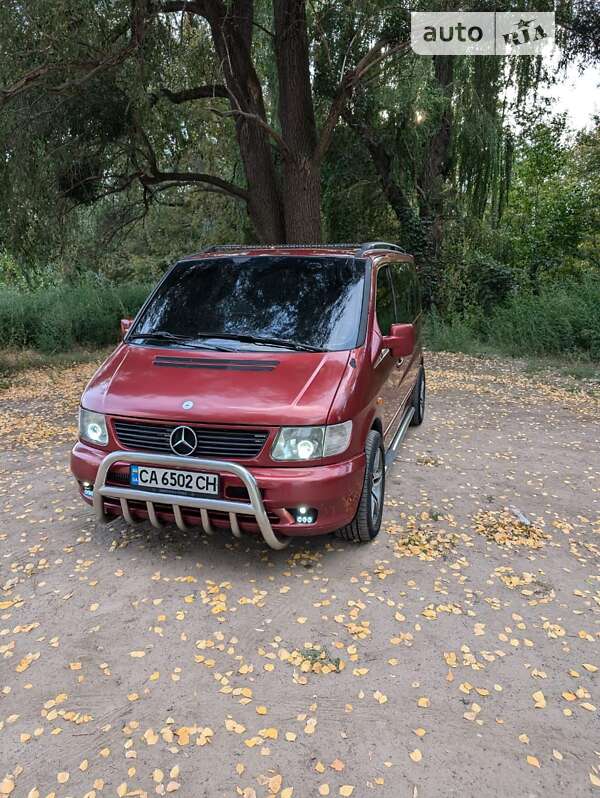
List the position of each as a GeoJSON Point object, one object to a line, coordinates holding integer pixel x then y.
{"type": "Point", "coordinates": [183, 441]}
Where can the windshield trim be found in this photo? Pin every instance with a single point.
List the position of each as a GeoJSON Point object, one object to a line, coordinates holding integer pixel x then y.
{"type": "Point", "coordinates": [191, 260]}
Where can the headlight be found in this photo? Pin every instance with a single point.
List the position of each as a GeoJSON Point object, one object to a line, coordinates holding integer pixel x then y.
{"type": "Point", "coordinates": [92, 426]}
{"type": "Point", "coordinates": [310, 443]}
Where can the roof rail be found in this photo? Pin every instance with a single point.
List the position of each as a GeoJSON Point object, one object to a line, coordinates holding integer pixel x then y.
{"type": "Point", "coordinates": [217, 247]}
{"type": "Point", "coordinates": [359, 249]}
{"type": "Point", "coordinates": [369, 245]}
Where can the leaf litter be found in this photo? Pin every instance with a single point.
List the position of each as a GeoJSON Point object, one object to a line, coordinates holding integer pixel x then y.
{"type": "Point", "coordinates": [135, 659]}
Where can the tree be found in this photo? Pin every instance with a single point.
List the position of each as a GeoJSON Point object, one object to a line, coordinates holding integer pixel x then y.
{"type": "Point", "coordinates": [552, 218]}
{"type": "Point", "coordinates": [164, 98]}
{"type": "Point", "coordinates": [281, 152]}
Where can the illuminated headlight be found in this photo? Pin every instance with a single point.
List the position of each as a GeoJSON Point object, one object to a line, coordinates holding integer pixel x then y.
{"type": "Point", "coordinates": [311, 443]}
{"type": "Point", "coordinates": [92, 427]}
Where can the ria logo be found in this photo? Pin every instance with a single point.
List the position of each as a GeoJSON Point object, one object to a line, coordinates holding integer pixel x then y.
{"type": "Point", "coordinates": [183, 441]}
{"type": "Point", "coordinates": [481, 32]}
{"type": "Point", "coordinates": [524, 34]}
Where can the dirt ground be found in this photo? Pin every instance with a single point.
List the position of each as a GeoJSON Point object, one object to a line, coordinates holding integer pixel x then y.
{"type": "Point", "coordinates": [458, 654]}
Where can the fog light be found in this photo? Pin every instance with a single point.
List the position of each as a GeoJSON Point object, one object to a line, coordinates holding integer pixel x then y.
{"type": "Point", "coordinates": [88, 489]}
{"type": "Point", "coordinates": [304, 515]}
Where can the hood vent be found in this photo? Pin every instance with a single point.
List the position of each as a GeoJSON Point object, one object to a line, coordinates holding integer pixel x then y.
{"type": "Point", "coordinates": [220, 364]}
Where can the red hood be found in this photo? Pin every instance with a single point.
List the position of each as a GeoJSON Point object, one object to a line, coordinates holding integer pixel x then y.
{"type": "Point", "coordinates": [274, 388]}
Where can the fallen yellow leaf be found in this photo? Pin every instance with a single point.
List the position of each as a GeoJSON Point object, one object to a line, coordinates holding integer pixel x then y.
{"type": "Point", "coordinates": [539, 698]}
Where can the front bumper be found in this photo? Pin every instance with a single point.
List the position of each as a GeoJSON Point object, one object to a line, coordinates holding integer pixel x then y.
{"type": "Point", "coordinates": [252, 501]}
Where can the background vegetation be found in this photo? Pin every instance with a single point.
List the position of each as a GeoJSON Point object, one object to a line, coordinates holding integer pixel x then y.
{"type": "Point", "coordinates": [128, 140]}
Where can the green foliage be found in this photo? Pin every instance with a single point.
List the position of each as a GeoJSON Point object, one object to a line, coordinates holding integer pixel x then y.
{"type": "Point", "coordinates": [560, 319]}
{"type": "Point", "coordinates": [504, 223]}
{"type": "Point", "coordinates": [563, 318]}
{"type": "Point", "coordinates": [451, 334]}
{"type": "Point", "coordinates": [57, 318]}
{"type": "Point", "coordinates": [472, 280]}
{"type": "Point", "coordinates": [553, 201]}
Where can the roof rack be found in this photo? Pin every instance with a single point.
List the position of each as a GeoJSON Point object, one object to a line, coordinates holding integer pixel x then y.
{"type": "Point", "coordinates": [359, 249]}
{"type": "Point", "coordinates": [217, 247]}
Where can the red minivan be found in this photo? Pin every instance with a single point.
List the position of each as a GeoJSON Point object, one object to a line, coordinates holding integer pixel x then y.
{"type": "Point", "coordinates": [259, 389]}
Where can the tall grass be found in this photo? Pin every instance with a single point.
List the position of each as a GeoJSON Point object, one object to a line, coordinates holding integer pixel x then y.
{"type": "Point", "coordinates": [57, 318]}
{"type": "Point", "coordinates": [562, 319]}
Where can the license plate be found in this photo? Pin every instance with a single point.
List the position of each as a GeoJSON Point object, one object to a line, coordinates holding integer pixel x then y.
{"type": "Point", "coordinates": [168, 479]}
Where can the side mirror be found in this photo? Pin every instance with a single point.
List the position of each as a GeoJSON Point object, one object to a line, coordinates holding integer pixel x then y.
{"type": "Point", "coordinates": [125, 326]}
{"type": "Point", "coordinates": [400, 341]}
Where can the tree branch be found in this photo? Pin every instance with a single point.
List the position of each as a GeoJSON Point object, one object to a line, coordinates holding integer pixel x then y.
{"type": "Point", "coordinates": [209, 9]}
{"type": "Point", "coordinates": [347, 86]}
{"type": "Point", "coordinates": [33, 76]}
{"type": "Point", "coordinates": [157, 176]}
{"type": "Point", "coordinates": [137, 25]}
{"type": "Point", "coordinates": [173, 6]}
{"type": "Point", "coordinates": [277, 137]}
{"type": "Point", "coordinates": [197, 93]}
{"type": "Point", "coordinates": [184, 178]}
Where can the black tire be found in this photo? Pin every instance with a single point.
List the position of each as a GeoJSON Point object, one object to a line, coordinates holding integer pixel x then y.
{"type": "Point", "coordinates": [418, 400]}
{"type": "Point", "coordinates": [367, 521]}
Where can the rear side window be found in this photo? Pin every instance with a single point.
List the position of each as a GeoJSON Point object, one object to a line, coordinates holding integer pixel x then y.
{"type": "Point", "coordinates": [384, 301]}
{"type": "Point", "coordinates": [407, 292]}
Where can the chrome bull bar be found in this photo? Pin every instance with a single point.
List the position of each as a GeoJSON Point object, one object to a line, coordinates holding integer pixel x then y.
{"type": "Point", "coordinates": [255, 508]}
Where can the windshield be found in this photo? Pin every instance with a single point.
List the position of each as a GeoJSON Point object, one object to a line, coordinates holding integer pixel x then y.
{"type": "Point", "coordinates": [313, 302]}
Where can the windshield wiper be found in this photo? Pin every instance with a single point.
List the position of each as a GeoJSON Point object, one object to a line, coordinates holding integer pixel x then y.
{"type": "Point", "coordinates": [160, 334]}
{"type": "Point", "coordinates": [285, 343]}
{"type": "Point", "coordinates": [182, 340]}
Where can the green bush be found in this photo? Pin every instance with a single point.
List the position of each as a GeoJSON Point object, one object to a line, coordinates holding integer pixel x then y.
{"type": "Point", "coordinates": [58, 318]}
{"type": "Point", "coordinates": [455, 334]}
{"type": "Point", "coordinates": [562, 319]}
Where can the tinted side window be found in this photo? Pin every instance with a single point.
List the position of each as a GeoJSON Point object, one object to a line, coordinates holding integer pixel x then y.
{"type": "Point", "coordinates": [384, 302]}
{"type": "Point", "coordinates": [407, 291]}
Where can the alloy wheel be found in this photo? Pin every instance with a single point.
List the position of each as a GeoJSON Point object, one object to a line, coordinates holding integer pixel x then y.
{"type": "Point", "coordinates": [377, 487]}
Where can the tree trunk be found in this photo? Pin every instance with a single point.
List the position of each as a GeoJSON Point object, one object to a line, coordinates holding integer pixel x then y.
{"type": "Point", "coordinates": [301, 170]}
{"type": "Point", "coordinates": [395, 195]}
{"type": "Point", "coordinates": [232, 34]}
{"type": "Point", "coordinates": [436, 166]}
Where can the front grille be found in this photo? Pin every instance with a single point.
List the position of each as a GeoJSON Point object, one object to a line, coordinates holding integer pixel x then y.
{"type": "Point", "coordinates": [235, 444]}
